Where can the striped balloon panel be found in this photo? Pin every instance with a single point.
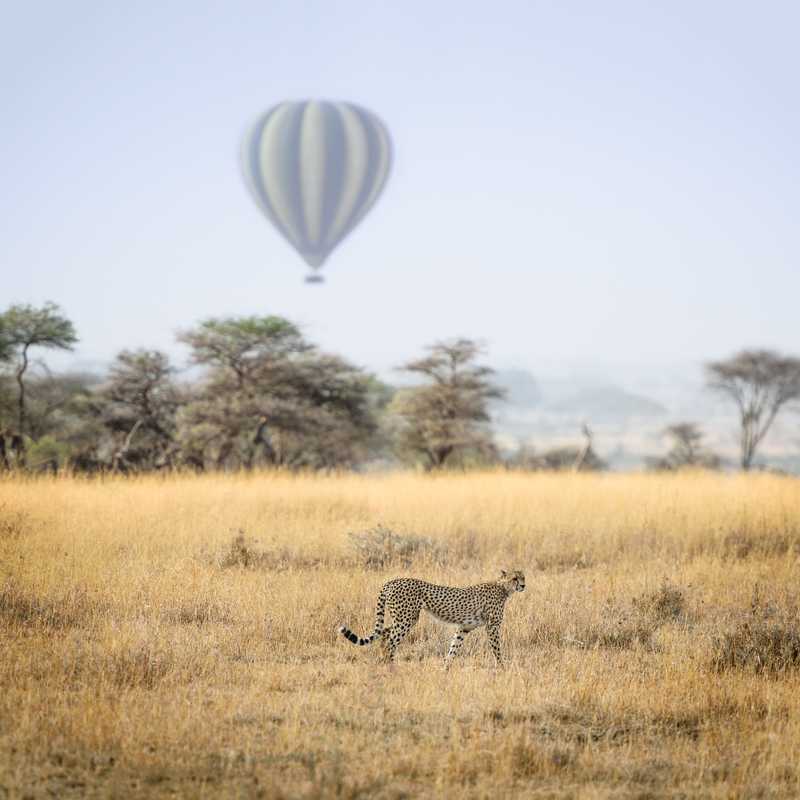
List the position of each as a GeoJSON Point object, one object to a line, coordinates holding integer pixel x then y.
{"type": "Point", "coordinates": [315, 169]}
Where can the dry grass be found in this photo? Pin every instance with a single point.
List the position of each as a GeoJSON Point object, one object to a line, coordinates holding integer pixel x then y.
{"type": "Point", "coordinates": [177, 636]}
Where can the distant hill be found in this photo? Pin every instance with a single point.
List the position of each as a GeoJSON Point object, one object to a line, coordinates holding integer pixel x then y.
{"type": "Point", "coordinates": [595, 402]}
{"type": "Point", "coordinates": [521, 387]}
{"type": "Point", "coordinates": [601, 404]}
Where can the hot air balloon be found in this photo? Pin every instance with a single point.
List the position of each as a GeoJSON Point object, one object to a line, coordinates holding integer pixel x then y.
{"type": "Point", "coordinates": [315, 169]}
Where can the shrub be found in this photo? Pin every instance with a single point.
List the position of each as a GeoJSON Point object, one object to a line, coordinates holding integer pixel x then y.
{"type": "Point", "coordinates": [378, 547]}
{"type": "Point", "coordinates": [763, 646]}
{"type": "Point", "coordinates": [765, 641]}
{"type": "Point", "coordinates": [619, 629]}
{"type": "Point", "coordinates": [664, 605]}
{"type": "Point", "coordinates": [622, 628]}
{"type": "Point", "coordinates": [245, 553]}
{"type": "Point", "coordinates": [564, 561]}
{"type": "Point", "coordinates": [241, 553]}
{"type": "Point", "coordinates": [47, 453]}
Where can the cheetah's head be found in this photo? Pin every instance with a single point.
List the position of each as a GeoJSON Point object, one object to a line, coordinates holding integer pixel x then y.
{"type": "Point", "coordinates": [515, 580]}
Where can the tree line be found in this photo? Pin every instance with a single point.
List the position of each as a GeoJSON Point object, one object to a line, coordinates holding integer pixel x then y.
{"type": "Point", "coordinates": [258, 393]}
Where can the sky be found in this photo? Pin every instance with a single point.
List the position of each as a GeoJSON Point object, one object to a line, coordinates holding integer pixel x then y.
{"type": "Point", "coordinates": [574, 182]}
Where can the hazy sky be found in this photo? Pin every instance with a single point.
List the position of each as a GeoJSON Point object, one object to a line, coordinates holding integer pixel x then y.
{"type": "Point", "coordinates": [614, 181]}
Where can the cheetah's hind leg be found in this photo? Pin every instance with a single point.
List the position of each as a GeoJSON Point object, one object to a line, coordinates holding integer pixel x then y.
{"type": "Point", "coordinates": [403, 623]}
{"type": "Point", "coordinates": [455, 646]}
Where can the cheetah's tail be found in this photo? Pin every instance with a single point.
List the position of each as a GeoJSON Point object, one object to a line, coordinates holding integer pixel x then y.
{"type": "Point", "coordinates": [379, 611]}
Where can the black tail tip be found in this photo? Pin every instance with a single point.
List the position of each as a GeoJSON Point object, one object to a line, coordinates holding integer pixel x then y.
{"type": "Point", "coordinates": [348, 634]}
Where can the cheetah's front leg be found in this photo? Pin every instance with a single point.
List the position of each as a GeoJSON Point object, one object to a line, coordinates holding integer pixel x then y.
{"type": "Point", "coordinates": [493, 634]}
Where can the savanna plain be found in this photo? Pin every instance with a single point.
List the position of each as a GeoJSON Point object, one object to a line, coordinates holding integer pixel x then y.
{"type": "Point", "coordinates": [176, 635]}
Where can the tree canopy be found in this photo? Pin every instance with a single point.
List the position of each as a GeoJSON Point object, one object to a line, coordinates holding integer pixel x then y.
{"type": "Point", "coordinates": [269, 396]}
{"type": "Point", "coordinates": [23, 327]}
{"type": "Point", "coordinates": [447, 416]}
{"type": "Point", "coordinates": [760, 382]}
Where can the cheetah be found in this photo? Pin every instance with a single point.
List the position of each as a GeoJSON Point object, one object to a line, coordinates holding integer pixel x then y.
{"type": "Point", "coordinates": [468, 608]}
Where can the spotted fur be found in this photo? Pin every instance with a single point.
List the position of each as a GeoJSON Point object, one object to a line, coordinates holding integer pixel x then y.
{"type": "Point", "coordinates": [467, 608]}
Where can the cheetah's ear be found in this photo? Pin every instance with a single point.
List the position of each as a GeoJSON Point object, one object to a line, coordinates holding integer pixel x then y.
{"type": "Point", "coordinates": [503, 573]}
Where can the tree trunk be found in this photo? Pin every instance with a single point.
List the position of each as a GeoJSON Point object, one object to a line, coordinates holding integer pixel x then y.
{"type": "Point", "coordinates": [262, 437]}
{"type": "Point", "coordinates": [584, 451]}
{"type": "Point", "coordinates": [442, 454]}
{"type": "Point", "coordinates": [748, 447]}
{"type": "Point", "coordinates": [118, 462]}
{"type": "Point", "coordinates": [226, 448]}
{"type": "Point", "coordinates": [20, 375]}
{"type": "Point", "coordinates": [18, 449]}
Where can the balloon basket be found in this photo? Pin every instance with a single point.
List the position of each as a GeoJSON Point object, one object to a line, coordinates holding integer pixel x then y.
{"type": "Point", "coordinates": [314, 278]}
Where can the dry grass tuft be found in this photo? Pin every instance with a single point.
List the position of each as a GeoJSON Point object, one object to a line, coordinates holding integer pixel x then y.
{"type": "Point", "coordinates": [767, 544]}
{"type": "Point", "coordinates": [140, 667]}
{"type": "Point", "coordinates": [21, 608]}
{"type": "Point", "coordinates": [13, 524]}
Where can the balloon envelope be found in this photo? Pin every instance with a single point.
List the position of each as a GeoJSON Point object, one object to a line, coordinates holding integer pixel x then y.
{"type": "Point", "coordinates": [315, 169]}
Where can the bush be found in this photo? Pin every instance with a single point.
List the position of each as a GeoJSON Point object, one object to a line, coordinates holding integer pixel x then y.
{"type": "Point", "coordinates": [378, 547]}
{"type": "Point", "coordinates": [762, 646]}
{"type": "Point", "coordinates": [664, 605]}
{"type": "Point", "coordinates": [245, 553]}
{"type": "Point", "coordinates": [47, 454]}
{"type": "Point", "coordinates": [241, 553]}
{"type": "Point", "coordinates": [766, 641]}
{"type": "Point", "coordinates": [626, 627]}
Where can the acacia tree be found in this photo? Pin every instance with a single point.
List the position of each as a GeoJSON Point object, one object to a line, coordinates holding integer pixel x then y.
{"type": "Point", "coordinates": [687, 449]}
{"type": "Point", "coordinates": [54, 401]}
{"type": "Point", "coordinates": [760, 382]}
{"type": "Point", "coordinates": [23, 327]}
{"type": "Point", "coordinates": [269, 396]}
{"type": "Point", "coordinates": [238, 346]}
{"type": "Point", "coordinates": [137, 408]}
{"type": "Point", "coordinates": [448, 415]}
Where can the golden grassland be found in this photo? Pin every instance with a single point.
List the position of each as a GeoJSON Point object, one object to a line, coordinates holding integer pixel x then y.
{"type": "Point", "coordinates": [176, 635]}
